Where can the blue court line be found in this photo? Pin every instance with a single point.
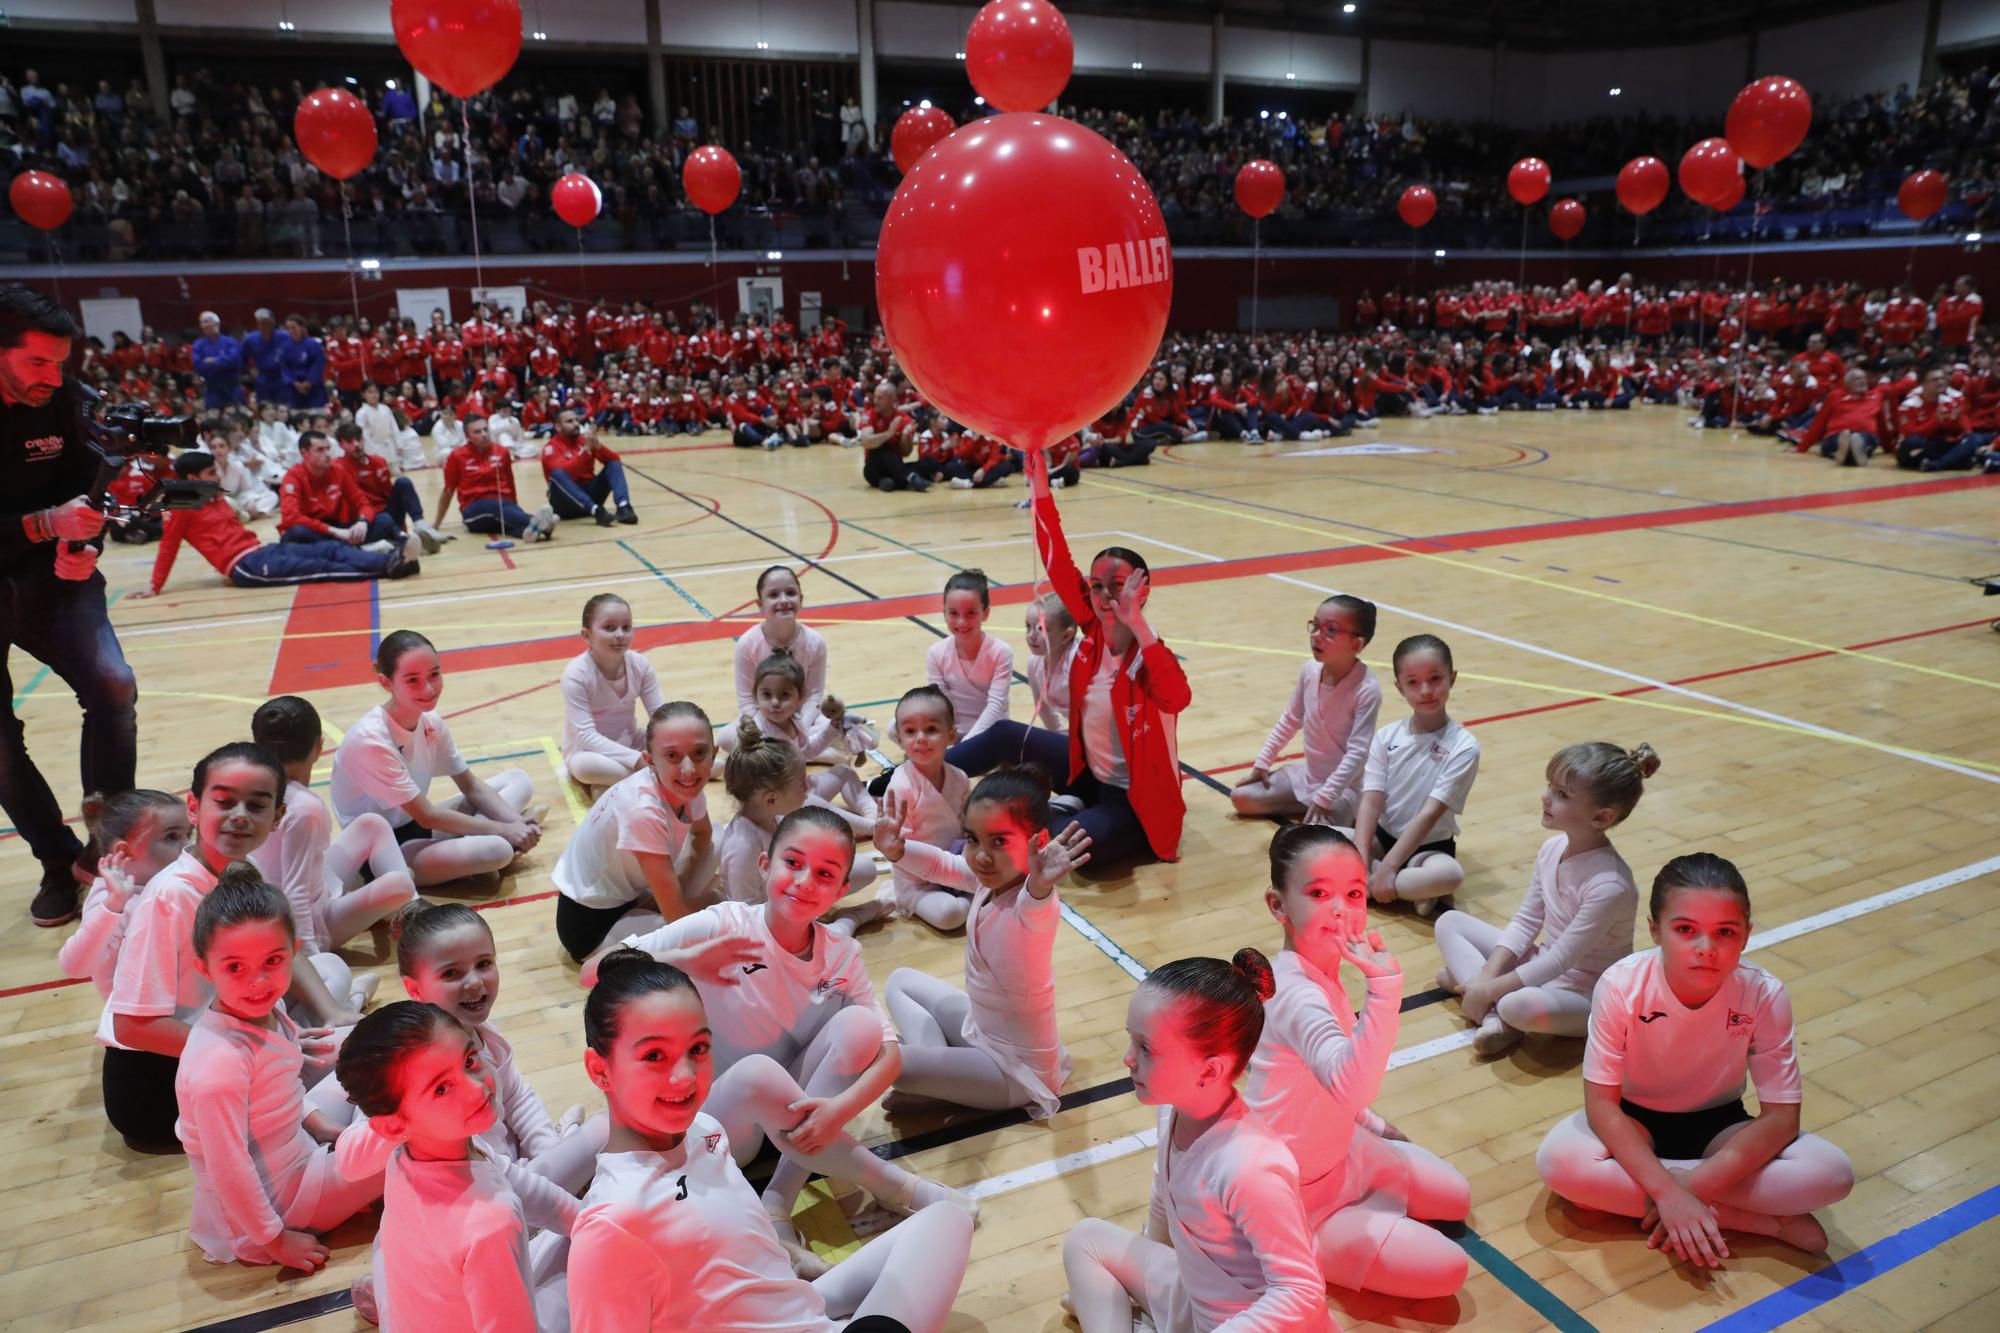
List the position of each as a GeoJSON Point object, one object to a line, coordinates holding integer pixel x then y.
{"type": "Point", "coordinates": [29, 688]}
{"type": "Point", "coordinates": [1515, 1279]}
{"type": "Point", "coordinates": [374, 620]}
{"type": "Point", "coordinates": [1863, 1266]}
{"type": "Point", "coordinates": [1938, 533]}
{"type": "Point", "coordinates": [660, 574]}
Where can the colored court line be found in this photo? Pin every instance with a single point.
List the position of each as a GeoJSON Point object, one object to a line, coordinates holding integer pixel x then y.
{"type": "Point", "coordinates": [1515, 1279]}
{"type": "Point", "coordinates": [561, 771]}
{"type": "Point", "coordinates": [1860, 1268]}
{"type": "Point", "coordinates": [341, 649]}
{"type": "Point", "coordinates": [1615, 523]}
{"type": "Point", "coordinates": [29, 688]}
{"type": "Point", "coordinates": [913, 550]}
{"type": "Point", "coordinates": [661, 575]}
{"type": "Point", "coordinates": [562, 647]}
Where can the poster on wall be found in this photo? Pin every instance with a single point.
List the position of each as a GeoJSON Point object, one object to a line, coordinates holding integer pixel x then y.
{"type": "Point", "coordinates": [502, 298]}
{"type": "Point", "coordinates": [418, 302]}
{"type": "Point", "coordinates": [103, 317]}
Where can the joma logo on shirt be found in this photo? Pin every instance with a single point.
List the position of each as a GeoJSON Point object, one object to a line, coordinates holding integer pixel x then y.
{"type": "Point", "coordinates": [42, 448]}
{"type": "Point", "coordinates": [1108, 268]}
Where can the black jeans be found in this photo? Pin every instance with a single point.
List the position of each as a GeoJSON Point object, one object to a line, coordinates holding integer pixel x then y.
{"type": "Point", "coordinates": [139, 1098]}
{"type": "Point", "coordinates": [63, 624]}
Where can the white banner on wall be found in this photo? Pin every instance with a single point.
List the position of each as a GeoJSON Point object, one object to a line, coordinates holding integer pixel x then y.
{"type": "Point", "coordinates": [418, 302]}
{"type": "Point", "coordinates": [103, 317]}
{"type": "Point", "coordinates": [498, 298]}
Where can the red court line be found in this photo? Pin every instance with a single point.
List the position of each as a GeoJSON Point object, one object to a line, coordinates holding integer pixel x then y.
{"type": "Point", "coordinates": [345, 624]}
{"type": "Point", "coordinates": [677, 448]}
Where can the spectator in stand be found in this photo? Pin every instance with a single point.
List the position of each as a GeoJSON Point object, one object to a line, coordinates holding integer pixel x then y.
{"type": "Point", "coordinates": [586, 479]}
{"type": "Point", "coordinates": [260, 349]}
{"type": "Point", "coordinates": [382, 493]}
{"type": "Point", "coordinates": [886, 435]}
{"type": "Point", "coordinates": [218, 534]}
{"type": "Point", "coordinates": [318, 503]}
{"type": "Point", "coordinates": [481, 474]}
{"type": "Point", "coordinates": [302, 363]}
{"type": "Point", "coordinates": [1958, 318]}
{"type": "Point", "coordinates": [218, 359]}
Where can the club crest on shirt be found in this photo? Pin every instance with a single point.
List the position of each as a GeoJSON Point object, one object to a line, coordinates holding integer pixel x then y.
{"type": "Point", "coordinates": [830, 986]}
{"type": "Point", "coordinates": [1739, 1023]}
{"type": "Point", "coordinates": [710, 1142]}
{"type": "Point", "coordinates": [42, 448]}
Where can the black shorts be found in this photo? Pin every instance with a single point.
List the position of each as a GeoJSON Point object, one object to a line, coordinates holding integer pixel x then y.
{"type": "Point", "coordinates": [411, 832]}
{"type": "Point", "coordinates": [1684, 1136]}
{"type": "Point", "coordinates": [1384, 840]}
{"type": "Point", "coordinates": [583, 930]}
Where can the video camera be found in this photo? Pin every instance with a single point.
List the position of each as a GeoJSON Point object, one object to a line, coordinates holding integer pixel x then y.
{"type": "Point", "coordinates": [117, 431]}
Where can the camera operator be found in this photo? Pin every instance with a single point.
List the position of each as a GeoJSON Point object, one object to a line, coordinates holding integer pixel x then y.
{"type": "Point", "coordinates": [51, 595]}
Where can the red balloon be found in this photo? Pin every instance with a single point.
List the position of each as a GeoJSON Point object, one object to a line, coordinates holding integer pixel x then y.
{"type": "Point", "coordinates": [1566, 218]}
{"type": "Point", "coordinates": [1921, 194]}
{"type": "Point", "coordinates": [1528, 180]}
{"type": "Point", "coordinates": [463, 46]}
{"type": "Point", "coordinates": [576, 199]}
{"type": "Point", "coordinates": [335, 131]}
{"type": "Point", "coordinates": [1417, 205]}
{"type": "Point", "coordinates": [40, 200]}
{"type": "Point", "coordinates": [1260, 187]}
{"type": "Point", "coordinates": [1709, 171]}
{"type": "Point", "coordinates": [1768, 119]}
{"type": "Point", "coordinates": [1642, 185]}
{"type": "Point", "coordinates": [1729, 198]}
{"type": "Point", "coordinates": [1024, 274]}
{"type": "Point", "coordinates": [711, 178]}
{"type": "Point", "coordinates": [916, 130]}
{"type": "Point", "coordinates": [1018, 54]}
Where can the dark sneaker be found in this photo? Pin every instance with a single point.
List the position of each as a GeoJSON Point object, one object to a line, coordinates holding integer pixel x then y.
{"type": "Point", "coordinates": [55, 902]}
{"type": "Point", "coordinates": [603, 517]}
{"type": "Point", "coordinates": [403, 569]}
{"type": "Point", "coordinates": [626, 516]}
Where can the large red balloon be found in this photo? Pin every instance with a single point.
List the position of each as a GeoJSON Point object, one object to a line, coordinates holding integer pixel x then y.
{"type": "Point", "coordinates": [1921, 194]}
{"type": "Point", "coordinates": [711, 178]}
{"type": "Point", "coordinates": [1768, 119]}
{"type": "Point", "coordinates": [335, 131]}
{"type": "Point", "coordinates": [916, 130]}
{"type": "Point", "coordinates": [1566, 218]}
{"type": "Point", "coordinates": [1709, 171]}
{"type": "Point", "coordinates": [1643, 184]}
{"type": "Point", "coordinates": [1260, 187]}
{"type": "Point", "coordinates": [1528, 180]}
{"type": "Point", "coordinates": [576, 199]}
{"type": "Point", "coordinates": [1417, 205]}
{"type": "Point", "coordinates": [1023, 274]}
{"type": "Point", "coordinates": [463, 46]}
{"type": "Point", "coordinates": [1729, 198]}
{"type": "Point", "coordinates": [40, 200]}
{"type": "Point", "coordinates": [1018, 54]}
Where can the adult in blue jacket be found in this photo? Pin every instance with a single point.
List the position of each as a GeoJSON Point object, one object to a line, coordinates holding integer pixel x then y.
{"type": "Point", "coordinates": [303, 359]}
{"type": "Point", "coordinates": [218, 359]}
{"type": "Point", "coordinates": [260, 354]}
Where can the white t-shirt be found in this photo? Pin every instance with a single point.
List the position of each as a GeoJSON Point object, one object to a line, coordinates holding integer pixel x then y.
{"type": "Point", "coordinates": [1410, 767]}
{"type": "Point", "coordinates": [598, 713]}
{"type": "Point", "coordinates": [1663, 1055]}
{"type": "Point", "coordinates": [807, 648]}
{"type": "Point", "coordinates": [931, 814]}
{"type": "Point", "coordinates": [782, 1001]}
{"type": "Point", "coordinates": [156, 976]}
{"type": "Point", "coordinates": [600, 866]}
{"type": "Point", "coordinates": [1339, 725]}
{"type": "Point", "coordinates": [380, 767]}
{"type": "Point", "coordinates": [294, 859]}
{"type": "Point", "coordinates": [977, 689]}
{"type": "Point", "coordinates": [680, 1240]}
{"type": "Point", "coordinates": [1586, 906]}
{"type": "Point", "coordinates": [1051, 686]}
{"type": "Point", "coordinates": [1101, 743]}
{"type": "Point", "coordinates": [737, 850]}
{"type": "Point", "coordinates": [378, 429]}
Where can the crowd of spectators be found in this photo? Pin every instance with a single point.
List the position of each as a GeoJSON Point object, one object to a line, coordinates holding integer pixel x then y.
{"type": "Point", "coordinates": [223, 177]}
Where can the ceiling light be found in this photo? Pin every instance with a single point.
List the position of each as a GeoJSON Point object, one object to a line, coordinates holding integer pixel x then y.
{"type": "Point", "coordinates": [541, 36]}
{"type": "Point", "coordinates": [286, 25]}
{"type": "Point", "coordinates": [1290, 75]}
{"type": "Point", "coordinates": [1615, 92]}
{"type": "Point", "coordinates": [1438, 253]}
{"type": "Point", "coordinates": [1137, 65]}
{"type": "Point", "coordinates": [763, 46]}
{"type": "Point", "coordinates": [979, 101]}
{"type": "Point", "coordinates": [925, 104]}
{"type": "Point", "coordinates": [960, 55]}
{"type": "Point", "coordinates": [1347, 9]}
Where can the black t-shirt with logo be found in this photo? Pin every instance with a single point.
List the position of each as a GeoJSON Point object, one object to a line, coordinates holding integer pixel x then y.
{"type": "Point", "coordinates": [43, 462]}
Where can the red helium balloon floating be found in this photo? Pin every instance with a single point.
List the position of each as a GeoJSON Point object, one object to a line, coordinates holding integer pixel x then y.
{"type": "Point", "coordinates": [1566, 218]}
{"type": "Point", "coordinates": [1768, 119]}
{"type": "Point", "coordinates": [40, 199]}
{"type": "Point", "coordinates": [1260, 187]}
{"type": "Point", "coordinates": [1709, 171]}
{"type": "Point", "coordinates": [1023, 274]}
{"type": "Point", "coordinates": [1417, 205]}
{"type": "Point", "coordinates": [1528, 180]}
{"type": "Point", "coordinates": [576, 199]}
{"type": "Point", "coordinates": [916, 130]}
{"type": "Point", "coordinates": [1729, 198]}
{"type": "Point", "coordinates": [463, 46]}
{"type": "Point", "coordinates": [335, 131]}
{"type": "Point", "coordinates": [1643, 184]}
{"type": "Point", "coordinates": [1921, 194]}
{"type": "Point", "coordinates": [711, 178]}
{"type": "Point", "coordinates": [1018, 54]}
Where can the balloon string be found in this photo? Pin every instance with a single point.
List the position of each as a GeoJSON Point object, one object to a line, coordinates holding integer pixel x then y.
{"type": "Point", "coordinates": [1256, 235]}
{"type": "Point", "coordinates": [55, 264]}
{"type": "Point", "coordinates": [347, 234]}
{"type": "Point", "coordinates": [1522, 280]}
{"type": "Point", "coordinates": [1749, 294]}
{"type": "Point", "coordinates": [471, 193]}
{"type": "Point", "coordinates": [711, 240]}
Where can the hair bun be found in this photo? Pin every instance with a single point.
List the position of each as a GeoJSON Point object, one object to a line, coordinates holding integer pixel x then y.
{"type": "Point", "coordinates": [748, 734]}
{"type": "Point", "coordinates": [1255, 968]}
{"type": "Point", "coordinates": [239, 875]}
{"type": "Point", "coordinates": [1646, 758]}
{"type": "Point", "coordinates": [406, 915]}
{"type": "Point", "coordinates": [621, 958]}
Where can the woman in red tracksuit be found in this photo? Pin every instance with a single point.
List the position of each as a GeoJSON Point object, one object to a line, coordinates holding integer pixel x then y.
{"type": "Point", "coordinates": [1938, 427]}
{"type": "Point", "coordinates": [1233, 409]}
{"type": "Point", "coordinates": [1851, 422]}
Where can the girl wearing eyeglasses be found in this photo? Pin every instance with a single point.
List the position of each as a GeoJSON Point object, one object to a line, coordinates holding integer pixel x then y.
{"type": "Point", "coordinates": [1335, 704]}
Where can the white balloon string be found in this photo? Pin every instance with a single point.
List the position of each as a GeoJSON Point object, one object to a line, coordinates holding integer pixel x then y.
{"type": "Point", "coordinates": [471, 192]}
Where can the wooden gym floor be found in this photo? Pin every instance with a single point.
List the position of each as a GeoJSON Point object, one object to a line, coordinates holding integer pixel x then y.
{"type": "Point", "coordinates": [1795, 639]}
